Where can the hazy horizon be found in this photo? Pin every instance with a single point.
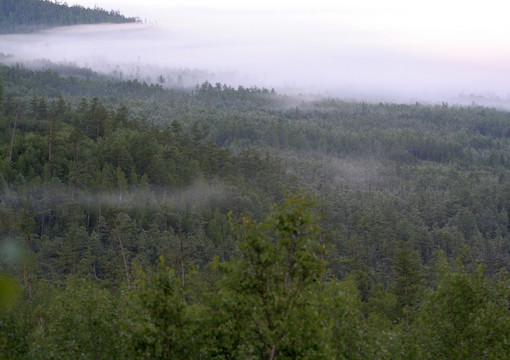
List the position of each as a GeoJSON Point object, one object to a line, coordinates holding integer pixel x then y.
{"type": "Point", "coordinates": [363, 50]}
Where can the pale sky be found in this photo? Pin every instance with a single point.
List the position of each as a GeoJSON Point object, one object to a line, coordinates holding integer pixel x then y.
{"type": "Point", "coordinates": [477, 28]}
{"type": "Point", "coordinates": [435, 46]}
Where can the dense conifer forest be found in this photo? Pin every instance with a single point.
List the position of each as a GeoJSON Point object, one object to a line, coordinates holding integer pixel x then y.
{"type": "Point", "coordinates": [21, 16]}
{"type": "Point", "coordinates": [220, 222]}
{"type": "Point", "coordinates": [139, 222]}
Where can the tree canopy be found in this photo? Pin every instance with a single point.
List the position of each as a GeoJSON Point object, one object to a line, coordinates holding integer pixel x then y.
{"type": "Point", "coordinates": [138, 221]}
{"type": "Point", "coordinates": [18, 16]}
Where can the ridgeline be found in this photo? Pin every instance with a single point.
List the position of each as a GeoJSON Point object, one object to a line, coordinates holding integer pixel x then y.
{"type": "Point", "coordinates": [24, 16]}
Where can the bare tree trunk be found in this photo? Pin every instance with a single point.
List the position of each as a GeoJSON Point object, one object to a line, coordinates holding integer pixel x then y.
{"type": "Point", "coordinates": [14, 130]}
{"type": "Point", "coordinates": [99, 204]}
{"type": "Point", "coordinates": [42, 223]}
{"type": "Point", "coordinates": [51, 140]}
{"type": "Point", "coordinates": [273, 351]}
{"type": "Point", "coordinates": [321, 256]}
{"type": "Point", "coordinates": [29, 288]}
{"type": "Point", "coordinates": [288, 285]}
{"type": "Point", "coordinates": [122, 251]}
{"type": "Point", "coordinates": [181, 241]}
{"type": "Point", "coordinates": [407, 307]}
{"type": "Point", "coordinates": [26, 271]}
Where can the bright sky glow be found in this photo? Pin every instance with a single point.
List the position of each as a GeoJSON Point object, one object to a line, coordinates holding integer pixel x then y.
{"type": "Point", "coordinates": [443, 24]}
{"type": "Point", "coordinates": [470, 30]}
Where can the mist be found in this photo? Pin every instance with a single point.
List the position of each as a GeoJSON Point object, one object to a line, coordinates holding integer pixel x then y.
{"type": "Point", "coordinates": [292, 52]}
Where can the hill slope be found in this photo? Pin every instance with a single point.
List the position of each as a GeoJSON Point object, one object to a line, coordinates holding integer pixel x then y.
{"type": "Point", "coordinates": [21, 16]}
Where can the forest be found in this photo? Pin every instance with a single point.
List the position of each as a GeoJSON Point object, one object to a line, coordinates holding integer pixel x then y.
{"type": "Point", "coordinates": [22, 16]}
{"type": "Point", "coordinates": [148, 220]}
{"type": "Point", "coordinates": [238, 223]}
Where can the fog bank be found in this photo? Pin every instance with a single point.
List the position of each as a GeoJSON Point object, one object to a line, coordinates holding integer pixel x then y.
{"type": "Point", "coordinates": [292, 53]}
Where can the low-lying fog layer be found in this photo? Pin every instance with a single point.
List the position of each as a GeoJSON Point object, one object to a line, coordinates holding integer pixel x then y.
{"type": "Point", "coordinates": [293, 51]}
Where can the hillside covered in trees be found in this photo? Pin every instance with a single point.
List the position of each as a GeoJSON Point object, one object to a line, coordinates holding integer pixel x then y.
{"type": "Point", "coordinates": [219, 222]}
{"type": "Point", "coordinates": [21, 16]}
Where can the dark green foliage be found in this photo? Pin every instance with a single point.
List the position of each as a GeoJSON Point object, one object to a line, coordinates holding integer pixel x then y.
{"type": "Point", "coordinates": [32, 15]}
{"type": "Point", "coordinates": [407, 281]}
{"type": "Point", "coordinates": [83, 322]}
{"type": "Point", "coordinates": [78, 161]}
{"type": "Point", "coordinates": [466, 316]}
{"type": "Point", "coordinates": [267, 299]}
{"type": "Point", "coordinates": [106, 176]}
{"type": "Point", "coordinates": [162, 328]}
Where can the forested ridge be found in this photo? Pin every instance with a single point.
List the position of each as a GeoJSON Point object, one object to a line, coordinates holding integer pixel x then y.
{"type": "Point", "coordinates": [21, 16]}
{"type": "Point", "coordinates": [238, 223]}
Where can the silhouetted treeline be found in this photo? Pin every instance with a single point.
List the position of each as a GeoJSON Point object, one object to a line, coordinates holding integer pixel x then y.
{"type": "Point", "coordinates": [32, 15]}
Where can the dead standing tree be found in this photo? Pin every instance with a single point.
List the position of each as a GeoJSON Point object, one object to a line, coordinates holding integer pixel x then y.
{"type": "Point", "coordinates": [26, 226]}
{"type": "Point", "coordinates": [184, 222]}
{"type": "Point", "coordinates": [14, 129]}
{"type": "Point", "coordinates": [117, 222]}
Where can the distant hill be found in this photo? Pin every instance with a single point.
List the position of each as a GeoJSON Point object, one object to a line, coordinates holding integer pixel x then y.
{"type": "Point", "coordinates": [22, 16]}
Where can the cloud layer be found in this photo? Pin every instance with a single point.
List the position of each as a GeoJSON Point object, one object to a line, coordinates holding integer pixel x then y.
{"type": "Point", "coordinates": [290, 51]}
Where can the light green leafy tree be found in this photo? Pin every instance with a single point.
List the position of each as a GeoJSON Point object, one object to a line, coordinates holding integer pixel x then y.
{"type": "Point", "coordinates": [407, 281]}
{"type": "Point", "coordinates": [12, 331]}
{"type": "Point", "coordinates": [161, 327]}
{"type": "Point", "coordinates": [83, 321]}
{"type": "Point", "coordinates": [340, 304]}
{"type": "Point", "coordinates": [266, 305]}
{"type": "Point", "coordinates": [466, 317]}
